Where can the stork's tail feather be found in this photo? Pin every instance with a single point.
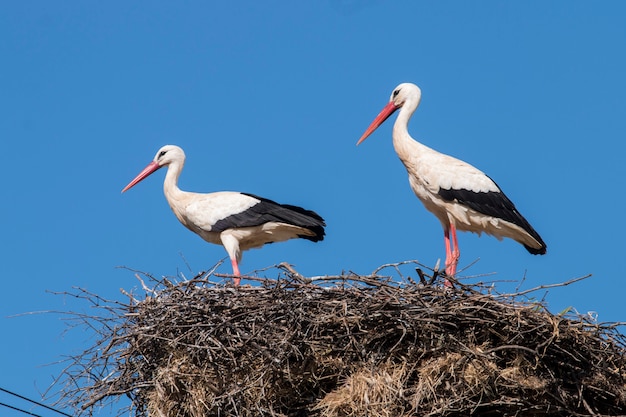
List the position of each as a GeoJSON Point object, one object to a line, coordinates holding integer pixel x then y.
{"type": "Point", "coordinates": [534, 251]}
{"type": "Point", "coordinates": [319, 234]}
{"type": "Point", "coordinates": [308, 219]}
{"type": "Point", "coordinates": [542, 249]}
{"type": "Point", "coordinates": [294, 215]}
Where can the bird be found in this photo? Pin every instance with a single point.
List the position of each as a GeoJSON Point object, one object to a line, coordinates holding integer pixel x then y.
{"type": "Point", "coordinates": [461, 196]}
{"type": "Point", "coordinates": [237, 221]}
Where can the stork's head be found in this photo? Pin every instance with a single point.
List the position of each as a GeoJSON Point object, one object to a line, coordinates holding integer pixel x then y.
{"type": "Point", "coordinates": [169, 154]}
{"type": "Point", "coordinates": [406, 94]}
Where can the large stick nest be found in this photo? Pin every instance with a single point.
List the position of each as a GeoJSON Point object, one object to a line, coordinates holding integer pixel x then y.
{"type": "Point", "coordinates": [343, 346]}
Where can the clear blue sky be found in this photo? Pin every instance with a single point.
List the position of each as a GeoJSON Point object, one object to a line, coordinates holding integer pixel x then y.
{"type": "Point", "coordinates": [270, 98]}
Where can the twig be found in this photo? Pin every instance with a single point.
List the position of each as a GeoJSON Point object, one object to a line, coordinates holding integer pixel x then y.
{"type": "Point", "coordinates": [543, 287]}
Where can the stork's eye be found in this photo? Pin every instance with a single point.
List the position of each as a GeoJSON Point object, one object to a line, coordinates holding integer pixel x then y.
{"type": "Point", "coordinates": [162, 153]}
{"type": "Point", "coordinates": [395, 93]}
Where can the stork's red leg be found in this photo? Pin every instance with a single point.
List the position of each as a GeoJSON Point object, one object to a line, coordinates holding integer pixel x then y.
{"type": "Point", "coordinates": [446, 236]}
{"type": "Point", "coordinates": [452, 258]}
{"type": "Point", "coordinates": [235, 272]}
{"type": "Point", "coordinates": [452, 253]}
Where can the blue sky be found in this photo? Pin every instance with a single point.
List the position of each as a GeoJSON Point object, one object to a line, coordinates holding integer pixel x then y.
{"type": "Point", "coordinates": [270, 98]}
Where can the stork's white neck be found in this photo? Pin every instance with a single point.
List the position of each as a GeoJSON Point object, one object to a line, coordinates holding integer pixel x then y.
{"type": "Point", "coordinates": [403, 143]}
{"type": "Point", "coordinates": [170, 185]}
{"type": "Point", "coordinates": [401, 126]}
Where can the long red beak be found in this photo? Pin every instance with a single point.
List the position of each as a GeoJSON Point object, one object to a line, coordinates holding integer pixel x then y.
{"type": "Point", "coordinates": [382, 116]}
{"type": "Point", "coordinates": [152, 166]}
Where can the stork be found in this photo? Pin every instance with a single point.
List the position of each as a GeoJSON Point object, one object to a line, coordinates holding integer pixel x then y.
{"type": "Point", "coordinates": [458, 194]}
{"type": "Point", "coordinates": [237, 221]}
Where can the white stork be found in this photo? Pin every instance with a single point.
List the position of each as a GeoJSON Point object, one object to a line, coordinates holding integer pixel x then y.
{"type": "Point", "coordinates": [237, 221]}
{"type": "Point", "coordinates": [459, 195]}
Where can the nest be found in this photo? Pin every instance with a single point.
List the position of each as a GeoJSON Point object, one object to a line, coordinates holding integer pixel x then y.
{"type": "Point", "coordinates": [343, 346]}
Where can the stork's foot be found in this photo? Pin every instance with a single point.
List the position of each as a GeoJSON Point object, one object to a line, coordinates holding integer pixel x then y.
{"type": "Point", "coordinates": [450, 271]}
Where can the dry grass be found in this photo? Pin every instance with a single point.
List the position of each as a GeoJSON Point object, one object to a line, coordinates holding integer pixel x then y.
{"type": "Point", "coordinates": [343, 346]}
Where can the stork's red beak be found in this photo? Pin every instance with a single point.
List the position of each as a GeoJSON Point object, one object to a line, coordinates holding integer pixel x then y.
{"type": "Point", "coordinates": [152, 166]}
{"type": "Point", "coordinates": [382, 116]}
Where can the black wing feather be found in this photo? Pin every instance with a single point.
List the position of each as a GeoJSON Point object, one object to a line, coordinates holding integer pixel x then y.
{"type": "Point", "coordinates": [494, 204]}
{"type": "Point", "coordinates": [270, 211]}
